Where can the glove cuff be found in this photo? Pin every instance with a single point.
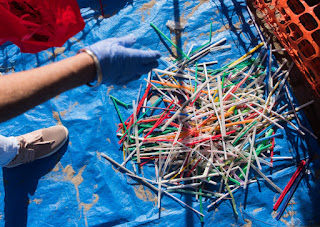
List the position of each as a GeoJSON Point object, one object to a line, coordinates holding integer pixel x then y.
{"type": "Point", "coordinates": [98, 68]}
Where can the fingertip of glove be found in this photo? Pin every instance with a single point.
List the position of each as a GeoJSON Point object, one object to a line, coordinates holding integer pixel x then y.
{"type": "Point", "coordinates": [153, 65]}
{"type": "Point", "coordinates": [150, 56]}
{"type": "Point", "coordinates": [148, 67]}
{"type": "Point", "coordinates": [156, 54]}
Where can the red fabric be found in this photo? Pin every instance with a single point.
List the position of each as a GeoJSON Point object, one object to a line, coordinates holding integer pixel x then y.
{"type": "Point", "coordinates": [36, 25]}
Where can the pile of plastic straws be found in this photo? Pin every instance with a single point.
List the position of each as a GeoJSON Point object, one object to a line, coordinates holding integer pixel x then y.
{"type": "Point", "coordinates": [202, 130]}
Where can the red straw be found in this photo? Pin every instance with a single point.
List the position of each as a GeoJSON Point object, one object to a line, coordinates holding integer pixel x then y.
{"type": "Point", "coordinates": [157, 140]}
{"type": "Point", "coordinates": [153, 157]}
{"type": "Point", "coordinates": [101, 8]}
{"type": "Point", "coordinates": [287, 188]}
{"type": "Point", "coordinates": [272, 147]}
{"type": "Point", "coordinates": [236, 87]}
{"type": "Point", "coordinates": [195, 165]}
{"type": "Point", "coordinates": [131, 119]}
{"type": "Point", "coordinates": [143, 121]}
{"type": "Point", "coordinates": [198, 95]}
{"type": "Point", "coordinates": [142, 164]}
{"type": "Point", "coordinates": [161, 118]}
{"type": "Point", "coordinates": [208, 138]}
{"type": "Point", "coordinates": [253, 115]}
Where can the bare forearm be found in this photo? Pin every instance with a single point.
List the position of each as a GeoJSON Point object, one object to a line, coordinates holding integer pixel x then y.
{"type": "Point", "coordinates": [22, 91]}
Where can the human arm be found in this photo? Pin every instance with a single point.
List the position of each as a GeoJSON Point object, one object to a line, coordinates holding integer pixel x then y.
{"type": "Point", "coordinates": [120, 64]}
{"type": "Point", "coordinates": [22, 91]}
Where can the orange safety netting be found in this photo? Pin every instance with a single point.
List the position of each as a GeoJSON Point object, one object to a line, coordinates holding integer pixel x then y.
{"type": "Point", "coordinates": [296, 24]}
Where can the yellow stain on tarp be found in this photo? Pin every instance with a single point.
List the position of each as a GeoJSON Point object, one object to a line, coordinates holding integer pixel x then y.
{"type": "Point", "coordinates": [71, 106]}
{"type": "Point", "coordinates": [36, 201]}
{"type": "Point", "coordinates": [145, 194]}
{"type": "Point", "coordinates": [185, 43]}
{"type": "Point", "coordinates": [248, 223]}
{"type": "Point", "coordinates": [56, 116]}
{"type": "Point", "coordinates": [115, 170]}
{"type": "Point", "coordinates": [255, 211]}
{"type": "Point", "coordinates": [77, 180]}
{"type": "Point", "coordinates": [288, 217]}
{"type": "Point", "coordinates": [63, 113]}
{"type": "Point", "coordinates": [57, 167]}
{"type": "Point", "coordinates": [56, 52]}
{"type": "Point", "coordinates": [109, 89]}
{"type": "Point", "coordinates": [184, 19]}
{"type": "Point", "coordinates": [59, 50]}
{"type": "Point", "coordinates": [87, 206]}
{"type": "Point", "coordinates": [60, 173]}
{"type": "Point", "coordinates": [196, 8]}
{"type": "Point", "coordinates": [73, 39]}
{"type": "Point", "coordinates": [186, 4]}
{"type": "Point", "coordinates": [146, 7]}
{"type": "Point", "coordinates": [98, 155]}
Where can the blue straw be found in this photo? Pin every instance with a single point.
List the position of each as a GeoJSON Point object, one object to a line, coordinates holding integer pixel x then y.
{"type": "Point", "coordinates": [262, 139]}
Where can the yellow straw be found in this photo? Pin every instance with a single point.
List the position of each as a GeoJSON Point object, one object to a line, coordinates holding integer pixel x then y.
{"type": "Point", "coordinates": [246, 55]}
{"type": "Point", "coordinates": [183, 169]}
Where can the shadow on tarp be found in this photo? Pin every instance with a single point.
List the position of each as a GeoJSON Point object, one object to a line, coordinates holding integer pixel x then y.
{"type": "Point", "coordinates": [244, 28]}
{"type": "Point", "coordinates": [21, 181]}
{"type": "Point", "coordinates": [6, 65]}
{"type": "Point", "coordinates": [110, 7]}
{"type": "Point", "coordinates": [310, 182]}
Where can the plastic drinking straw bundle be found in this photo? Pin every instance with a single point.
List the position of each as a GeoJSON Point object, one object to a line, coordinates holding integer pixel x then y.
{"type": "Point", "coordinates": [203, 131]}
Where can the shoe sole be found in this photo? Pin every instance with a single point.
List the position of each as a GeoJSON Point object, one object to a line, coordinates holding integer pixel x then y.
{"type": "Point", "coordinates": [53, 151]}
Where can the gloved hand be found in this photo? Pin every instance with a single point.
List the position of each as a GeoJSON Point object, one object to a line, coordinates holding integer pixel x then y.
{"type": "Point", "coordinates": [119, 63]}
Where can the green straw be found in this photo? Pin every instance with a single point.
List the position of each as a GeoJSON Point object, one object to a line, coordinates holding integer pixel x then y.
{"type": "Point", "coordinates": [146, 125]}
{"type": "Point", "coordinates": [163, 133]}
{"type": "Point", "coordinates": [154, 104]}
{"type": "Point", "coordinates": [242, 134]}
{"type": "Point", "coordinates": [201, 207]}
{"type": "Point", "coordinates": [206, 42]}
{"type": "Point", "coordinates": [118, 111]}
{"type": "Point", "coordinates": [232, 198]}
{"type": "Point", "coordinates": [234, 181]}
{"type": "Point", "coordinates": [172, 43]}
{"type": "Point", "coordinates": [259, 149]}
{"type": "Point", "coordinates": [118, 101]}
{"type": "Point", "coordinates": [222, 81]}
{"type": "Point", "coordinates": [140, 131]}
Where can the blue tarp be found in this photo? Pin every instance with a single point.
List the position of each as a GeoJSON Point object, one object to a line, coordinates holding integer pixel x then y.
{"type": "Point", "coordinates": [77, 187]}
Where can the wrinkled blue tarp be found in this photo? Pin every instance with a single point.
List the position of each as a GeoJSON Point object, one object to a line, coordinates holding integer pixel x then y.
{"type": "Point", "coordinates": [77, 187]}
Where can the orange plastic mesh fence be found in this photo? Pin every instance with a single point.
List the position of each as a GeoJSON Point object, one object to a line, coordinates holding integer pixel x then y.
{"type": "Point", "coordinates": [296, 24]}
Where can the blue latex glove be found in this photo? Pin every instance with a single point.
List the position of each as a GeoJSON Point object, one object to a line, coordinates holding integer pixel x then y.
{"type": "Point", "coordinates": [119, 63]}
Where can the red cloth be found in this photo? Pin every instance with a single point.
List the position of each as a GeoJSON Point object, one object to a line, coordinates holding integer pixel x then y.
{"type": "Point", "coordinates": [36, 25]}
